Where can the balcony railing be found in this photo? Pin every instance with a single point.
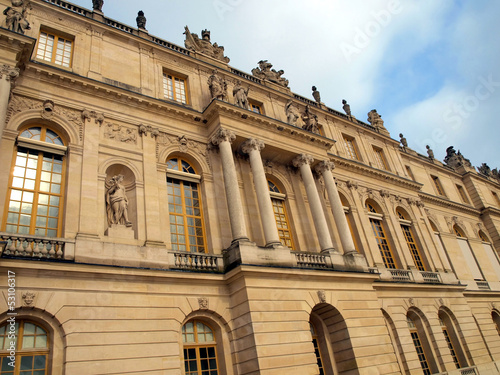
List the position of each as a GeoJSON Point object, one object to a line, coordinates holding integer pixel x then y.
{"type": "Point", "coordinates": [28, 246]}
{"type": "Point", "coordinates": [310, 260]}
{"type": "Point", "coordinates": [401, 275]}
{"type": "Point", "coordinates": [197, 261]}
{"type": "Point", "coordinates": [468, 371]}
{"type": "Point", "coordinates": [431, 277]}
{"type": "Point", "coordinates": [483, 285]}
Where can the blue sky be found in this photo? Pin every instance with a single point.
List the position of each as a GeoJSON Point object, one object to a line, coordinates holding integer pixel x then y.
{"type": "Point", "coordinates": [430, 68]}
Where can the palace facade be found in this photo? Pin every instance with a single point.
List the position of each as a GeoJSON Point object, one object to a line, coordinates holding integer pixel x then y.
{"type": "Point", "coordinates": [165, 213]}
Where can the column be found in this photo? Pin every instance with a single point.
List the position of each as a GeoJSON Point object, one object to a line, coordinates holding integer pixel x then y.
{"type": "Point", "coordinates": [223, 139]}
{"type": "Point", "coordinates": [303, 162]}
{"type": "Point", "coordinates": [7, 75]}
{"type": "Point", "coordinates": [325, 168]}
{"type": "Point", "coordinates": [252, 147]}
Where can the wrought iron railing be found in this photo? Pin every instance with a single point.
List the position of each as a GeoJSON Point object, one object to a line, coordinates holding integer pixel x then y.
{"type": "Point", "coordinates": [28, 246]}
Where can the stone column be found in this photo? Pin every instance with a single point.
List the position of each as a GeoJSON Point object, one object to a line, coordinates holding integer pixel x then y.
{"type": "Point", "coordinates": [303, 162]}
{"type": "Point", "coordinates": [252, 147]}
{"type": "Point", "coordinates": [223, 139]}
{"type": "Point", "coordinates": [7, 75]}
{"type": "Point", "coordinates": [325, 169]}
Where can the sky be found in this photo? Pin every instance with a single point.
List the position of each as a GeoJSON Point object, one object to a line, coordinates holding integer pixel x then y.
{"type": "Point", "coordinates": [430, 68]}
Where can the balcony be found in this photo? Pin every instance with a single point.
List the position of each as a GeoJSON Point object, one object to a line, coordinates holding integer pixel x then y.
{"type": "Point", "coordinates": [311, 260]}
{"type": "Point", "coordinates": [38, 247]}
{"type": "Point", "coordinates": [196, 261]}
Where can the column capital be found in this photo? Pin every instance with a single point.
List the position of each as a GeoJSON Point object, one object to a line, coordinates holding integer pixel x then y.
{"type": "Point", "coordinates": [9, 72]}
{"type": "Point", "coordinates": [302, 159]}
{"type": "Point", "coordinates": [325, 165]}
{"type": "Point", "coordinates": [222, 135]}
{"type": "Point", "coordinates": [252, 144]}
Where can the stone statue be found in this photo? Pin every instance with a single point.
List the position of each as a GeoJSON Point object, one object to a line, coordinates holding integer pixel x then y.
{"type": "Point", "coordinates": [217, 86]}
{"type": "Point", "coordinates": [97, 5]}
{"type": "Point", "coordinates": [117, 202]}
{"type": "Point", "coordinates": [141, 20]}
{"type": "Point", "coordinates": [204, 45]}
{"type": "Point", "coordinates": [15, 16]}
{"type": "Point", "coordinates": [346, 107]}
{"type": "Point", "coordinates": [430, 152]}
{"type": "Point", "coordinates": [316, 95]}
{"type": "Point", "coordinates": [375, 119]}
{"type": "Point", "coordinates": [455, 159]}
{"type": "Point", "coordinates": [264, 71]}
{"type": "Point", "coordinates": [310, 121]}
{"type": "Point", "coordinates": [484, 169]}
{"type": "Point", "coordinates": [240, 95]}
{"type": "Point", "coordinates": [495, 173]}
{"type": "Point", "coordinates": [292, 113]}
{"type": "Point", "coordinates": [403, 140]}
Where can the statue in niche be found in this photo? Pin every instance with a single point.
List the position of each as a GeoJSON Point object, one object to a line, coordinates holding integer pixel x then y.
{"type": "Point", "coordinates": [97, 5]}
{"type": "Point", "coordinates": [403, 140]}
{"type": "Point", "coordinates": [141, 20]}
{"type": "Point", "coordinates": [292, 113]}
{"type": "Point", "coordinates": [346, 107]}
{"type": "Point", "coordinates": [117, 202]}
{"type": "Point", "coordinates": [240, 95]}
{"type": "Point", "coordinates": [217, 86]}
{"type": "Point", "coordinates": [310, 121]}
{"type": "Point", "coordinates": [430, 152]}
{"type": "Point", "coordinates": [316, 95]}
{"type": "Point", "coordinates": [264, 71]}
{"type": "Point", "coordinates": [194, 43]}
{"type": "Point", "coordinates": [15, 16]}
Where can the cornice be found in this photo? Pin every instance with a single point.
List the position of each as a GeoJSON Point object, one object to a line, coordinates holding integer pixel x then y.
{"type": "Point", "coordinates": [491, 210]}
{"type": "Point", "coordinates": [445, 202]}
{"type": "Point", "coordinates": [378, 174]}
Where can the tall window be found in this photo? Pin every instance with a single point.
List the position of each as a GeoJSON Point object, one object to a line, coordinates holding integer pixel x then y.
{"type": "Point", "coordinates": [410, 240]}
{"type": "Point", "coordinates": [199, 346]}
{"type": "Point", "coordinates": [174, 88]}
{"type": "Point", "coordinates": [31, 344]}
{"type": "Point", "coordinates": [280, 214]}
{"type": "Point", "coordinates": [184, 204]}
{"type": "Point", "coordinates": [35, 194]}
{"type": "Point", "coordinates": [380, 161]}
{"type": "Point", "coordinates": [437, 186]}
{"type": "Point", "coordinates": [379, 233]}
{"type": "Point", "coordinates": [409, 172]}
{"type": "Point", "coordinates": [317, 351]}
{"type": "Point", "coordinates": [418, 346]}
{"type": "Point", "coordinates": [463, 195]}
{"type": "Point", "coordinates": [350, 147]}
{"type": "Point", "coordinates": [55, 49]}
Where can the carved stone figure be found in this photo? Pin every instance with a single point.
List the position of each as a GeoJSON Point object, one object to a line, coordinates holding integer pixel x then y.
{"type": "Point", "coordinates": [97, 5]}
{"type": "Point", "coordinates": [484, 169]}
{"type": "Point", "coordinates": [194, 43]}
{"type": "Point", "coordinates": [495, 173]}
{"type": "Point", "coordinates": [375, 119]}
{"type": "Point", "coordinates": [28, 299]}
{"type": "Point", "coordinates": [456, 159]}
{"type": "Point", "coordinates": [141, 20]}
{"type": "Point", "coordinates": [264, 71]}
{"type": "Point", "coordinates": [15, 16]}
{"type": "Point", "coordinates": [240, 95]}
{"type": "Point", "coordinates": [310, 121]}
{"type": "Point", "coordinates": [117, 202]}
{"type": "Point", "coordinates": [217, 86]}
{"type": "Point", "coordinates": [430, 152]}
{"type": "Point", "coordinates": [316, 95]}
{"type": "Point", "coordinates": [346, 107]}
{"type": "Point", "coordinates": [292, 113]}
{"type": "Point", "coordinates": [403, 140]}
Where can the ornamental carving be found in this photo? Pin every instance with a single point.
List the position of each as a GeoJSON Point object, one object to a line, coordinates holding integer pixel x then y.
{"type": "Point", "coordinates": [264, 71]}
{"type": "Point", "coordinates": [204, 45]}
{"type": "Point", "coordinates": [16, 16]}
{"type": "Point", "coordinates": [302, 159]}
{"type": "Point", "coordinates": [9, 73]}
{"type": "Point", "coordinates": [117, 202]}
{"type": "Point", "coordinates": [385, 194]}
{"type": "Point", "coordinates": [310, 121]}
{"type": "Point", "coordinates": [292, 113]}
{"type": "Point", "coordinates": [455, 159]}
{"type": "Point", "coordinates": [351, 184]}
{"type": "Point", "coordinates": [28, 299]}
{"type": "Point", "coordinates": [376, 121]}
{"type": "Point", "coordinates": [222, 135]}
{"type": "Point", "coordinates": [144, 130]}
{"type": "Point", "coordinates": [88, 115]}
{"type": "Point", "coordinates": [203, 303]}
{"type": "Point", "coordinates": [218, 86]}
{"type": "Point", "coordinates": [120, 133]}
{"type": "Point", "coordinates": [252, 144]}
{"type": "Point", "coordinates": [325, 165]}
{"type": "Point", "coordinates": [484, 169]}
{"type": "Point", "coordinates": [322, 296]}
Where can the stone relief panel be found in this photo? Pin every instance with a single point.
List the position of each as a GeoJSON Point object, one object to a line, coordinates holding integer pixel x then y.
{"type": "Point", "coordinates": [120, 133]}
{"type": "Point", "coordinates": [183, 144]}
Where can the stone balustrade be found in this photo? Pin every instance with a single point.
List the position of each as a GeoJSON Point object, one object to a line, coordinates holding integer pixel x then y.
{"type": "Point", "coordinates": [311, 260]}
{"type": "Point", "coordinates": [28, 246]}
{"type": "Point", "coordinates": [197, 261]}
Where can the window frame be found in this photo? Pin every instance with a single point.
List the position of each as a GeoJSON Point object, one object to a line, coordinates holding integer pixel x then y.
{"type": "Point", "coordinates": [380, 158]}
{"type": "Point", "coordinates": [438, 187]}
{"type": "Point", "coordinates": [252, 103]}
{"type": "Point", "coordinates": [57, 35]}
{"type": "Point", "coordinates": [410, 239]}
{"type": "Point", "coordinates": [196, 345]}
{"type": "Point", "coordinates": [383, 243]}
{"type": "Point", "coordinates": [277, 196]}
{"type": "Point", "coordinates": [181, 78]}
{"type": "Point", "coordinates": [351, 148]}
{"type": "Point", "coordinates": [462, 194]}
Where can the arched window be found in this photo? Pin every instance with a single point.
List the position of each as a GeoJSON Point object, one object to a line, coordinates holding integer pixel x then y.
{"type": "Point", "coordinates": [376, 221]}
{"type": "Point", "coordinates": [418, 346]}
{"type": "Point", "coordinates": [184, 204]}
{"type": "Point", "coordinates": [410, 240]}
{"type": "Point", "coordinates": [483, 236]}
{"type": "Point", "coordinates": [280, 214]}
{"type": "Point", "coordinates": [36, 184]}
{"type": "Point", "coordinates": [452, 339]}
{"type": "Point", "coordinates": [458, 231]}
{"type": "Point", "coordinates": [421, 342]}
{"type": "Point", "coordinates": [199, 346]}
{"type": "Point", "coordinates": [317, 351]}
{"type": "Point", "coordinates": [470, 258]}
{"type": "Point", "coordinates": [496, 319]}
{"type": "Point", "coordinates": [31, 343]}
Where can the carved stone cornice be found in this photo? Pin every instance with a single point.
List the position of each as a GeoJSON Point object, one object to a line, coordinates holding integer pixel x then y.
{"type": "Point", "coordinates": [302, 159]}
{"type": "Point", "coordinates": [222, 135]}
{"type": "Point", "coordinates": [443, 202]}
{"type": "Point", "coordinates": [87, 115]}
{"type": "Point", "coordinates": [252, 144]}
{"type": "Point", "coordinates": [325, 165]}
{"type": "Point", "coordinates": [145, 130]}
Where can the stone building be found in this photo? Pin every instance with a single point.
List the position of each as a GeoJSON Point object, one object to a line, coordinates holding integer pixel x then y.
{"type": "Point", "coordinates": [166, 213]}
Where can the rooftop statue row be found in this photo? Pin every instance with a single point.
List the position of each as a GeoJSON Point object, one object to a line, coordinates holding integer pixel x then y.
{"type": "Point", "coordinates": [264, 71]}
{"type": "Point", "coordinates": [15, 16]}
{"type": "Point", "coordinates": [203, 45]}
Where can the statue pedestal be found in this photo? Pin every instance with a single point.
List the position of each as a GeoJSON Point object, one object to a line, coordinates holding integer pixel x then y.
{"type": "Point", "coordinates": [120, 231]}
